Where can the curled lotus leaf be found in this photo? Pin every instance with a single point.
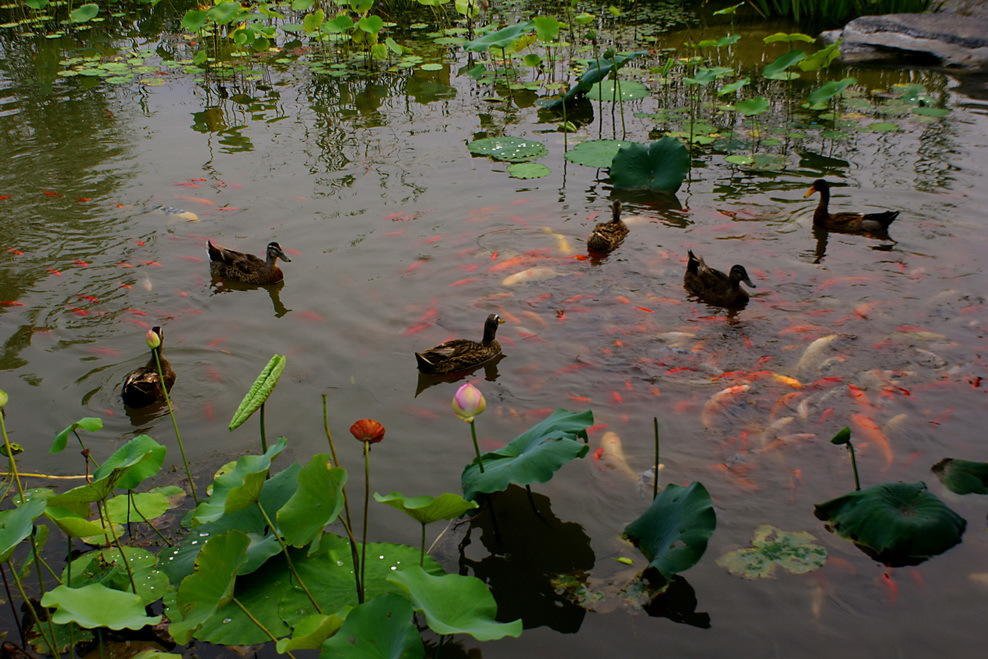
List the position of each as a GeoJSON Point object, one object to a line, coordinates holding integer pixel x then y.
{"type": "Point", "coordinates": [259, 391]}
{"type": "Point", "coordinates": [963, 476]}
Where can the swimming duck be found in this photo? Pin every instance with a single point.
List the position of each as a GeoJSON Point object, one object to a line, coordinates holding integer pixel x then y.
{"type": "Point", "coordinates": [142, 386]}
{"type": "Point", "coordinates": [460, 354]}
{"type": "Point", "coordinates": [246, 268]}
{"type": "Point", "coordinates": [875, 224]}
{"type": "Point", "coordinates": [713, 286]}
{"type": "Point", "coordinates": [606, 236]}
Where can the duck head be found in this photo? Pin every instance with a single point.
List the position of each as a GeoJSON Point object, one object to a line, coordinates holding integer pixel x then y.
{"type": "Point", "coordinates": [490, 327]}
{"type": "Point", "coordinates": [819, 185]}
{"type": "Point", "coordinates": [274, 251]}
{"type": "Point", "coordinates": [738, 274]}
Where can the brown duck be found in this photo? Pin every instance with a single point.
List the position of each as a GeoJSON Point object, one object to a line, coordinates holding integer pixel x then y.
{"type": "Point", "coordinates": [873, 224]}
{"type": "Point", "coordinates": [142, 386]}
{"type": "Point", "coordinates": [461, 354]}
{"type": "Point", "coordinates": [606, 236]}
{"type": "Point", "coordinates": [713, 286]}
{"type": "Point", "coordinates": [247, 268]}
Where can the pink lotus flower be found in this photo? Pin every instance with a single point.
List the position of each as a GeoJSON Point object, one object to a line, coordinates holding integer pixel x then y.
{"type": "Point", "coordinates": [468, 402]}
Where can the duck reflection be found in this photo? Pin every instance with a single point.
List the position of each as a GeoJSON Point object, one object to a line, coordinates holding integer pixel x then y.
{"type": "Point", "coordinates": [221, 285]}
{"type": "Point", "coordinates": [534, 561]}
{"type": "Point", "coordinates": [427, 380]}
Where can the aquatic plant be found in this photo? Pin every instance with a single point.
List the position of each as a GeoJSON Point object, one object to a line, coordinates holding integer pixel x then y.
{"type": "Point", "coordinates": [962, 476]}
{"type": "Point", "coordinates": [793, 551]}
{"type": "Point", "coordinates": [257, 395]}
{"type": "Point", "coordinates": [831, 12]}
{"type": "Point", "coordinates": [468, 402]}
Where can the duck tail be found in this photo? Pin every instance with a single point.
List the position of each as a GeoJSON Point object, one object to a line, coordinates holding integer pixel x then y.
{"type": "Point", "coordinates": [215, 252]}
{"type": "Point", "coordinates": [693, 264]}
{"type": "Point", "coordinates": [424, 364]}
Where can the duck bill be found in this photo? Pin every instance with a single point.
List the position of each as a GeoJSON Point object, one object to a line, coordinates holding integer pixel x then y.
{"type": "Point", "coordinates": [810, 191]}
{"type": "Point", "coordinates": [748, 281]}
{"type": "Point", "coordinates": [283, 256]}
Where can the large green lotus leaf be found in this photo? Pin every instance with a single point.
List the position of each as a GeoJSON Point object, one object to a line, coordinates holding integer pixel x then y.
{"type": "Point", "coordinates": [426, 509]}
{"type": "Point", "coordinates": [673, 532]}
{"type": "Point", "coordinates": [89, 423]}
{"type": "Point", "coordinates": [225, 12]}
{"type": "Point", "coordinates": [382, 628]}
{"type": "Point", "coordinates": [316, 503]}
{"type": "Point", "coordinates": [105, 567]}
{"type": "Point", "coordinates": [210, 587]}
{"type": "Point", "coordinates": [820, 97]}
{"type": "Point", "coordinates": [752, 106]}
{"type": "Point", "coordinates": [788, 37]}
{"type": "Point", "coordinates": [596, 71]}
{"type": "Point", "coordinates": [793, 551]}
{"type": "Point", "coordinates": [270, 594]}
{"type": "Point", "coordinates": [705, 75]}
{"type": "Point", "coordinates": [144, 506]}
{"type": "Point", "coordinates": [239, 487]}
{"type": "Point", "coordinates": [732, 87]}
{"type": "Point", "coordinates": [261, 388]}
{"type": "Point", "coordinates": [75, 525]}
{"type": "Point", "coordinates": [822, 58]}
{"type": "Point", "coordinates": [660, 167]}
{"type": "Point", "coordinates": [84, 13]}
{"type": "Point", "coordinates": [16, 525]}
{"type": "Point", "coordinates": [138, 459]}
{"type": "Point", "coordinates": [963, 476]}
{"type": "Point", "coordinates": [532, 457]}
{"type": "Point", "coordinates": [499, 38]}
{"type": "Point", "coordinates": [897, 523]}
{"type": "Point", "coordinates": [310, 632]}
{"type": "Point", "coordinates": [596, 153]}
{"type": "Point", "coordinates": [95, 606]}
{"type": "Point", "coordinates": [623, 90]}
{"type": "Point", "coordinates": [179, 561]}
{"type": "Point", "coordinates": [528, 170]}
{"type": "Point", "coordinates": [510, 149]}
{"type": "Point", "coordinates": [455, 604]}
{"type": "Point", "coordinates": [776, 70]}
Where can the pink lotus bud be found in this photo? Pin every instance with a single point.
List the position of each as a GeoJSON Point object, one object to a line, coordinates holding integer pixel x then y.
{"type": "Point", "coordinates": [152, 338]}
{"type": "Point", "coordinates": [468, 402]}
{"type": "Point", "coordinates": [367, 430]}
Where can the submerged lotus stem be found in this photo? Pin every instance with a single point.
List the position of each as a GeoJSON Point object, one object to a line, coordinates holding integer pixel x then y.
{"type": "Point", "coordinates": [655, 467]}
{"type": "Point", "coordinates": [178, 433]}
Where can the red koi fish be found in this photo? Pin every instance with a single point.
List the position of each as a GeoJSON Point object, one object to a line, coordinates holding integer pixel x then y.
{"type": "Point", "coordinates": [870, 431]}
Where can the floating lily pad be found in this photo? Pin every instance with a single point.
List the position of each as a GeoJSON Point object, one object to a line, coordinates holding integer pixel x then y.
{"type": "Point", "coordinates": [963, 476]}
{"type": "Point", "coordinates": [896, 523]}
{"type": "Point", "coordinates": [752, 106]}
{"type": "Point", "coordinates": [622, 90]}
{"type": "Point", "coordinates": [882, 127]}
{"type": "Point", "coordinates": [673, 532]}
{"type": "Point", "coordinates": [660, 167]}
{"type": "Point", "coordinates": [526, 170]}
{"type": "Point", "coordinates": [793, 551]}
{"type": "Point", "coordinates": [509, 149]}
{"type": "Point", "coordinates": [926, 111]}
{"type": "Point", "coordinates": [596, 153]}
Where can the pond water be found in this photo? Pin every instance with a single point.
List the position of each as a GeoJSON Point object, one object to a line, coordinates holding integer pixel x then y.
{"type": "Point", "coordinates": [399, 239]}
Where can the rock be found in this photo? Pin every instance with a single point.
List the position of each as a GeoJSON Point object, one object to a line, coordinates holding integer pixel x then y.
{"type": "Point", "coordinates": [942, 39]}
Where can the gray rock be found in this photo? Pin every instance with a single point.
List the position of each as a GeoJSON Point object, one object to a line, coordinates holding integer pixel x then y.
{"type": "Point", "coordinates": [944, 39]}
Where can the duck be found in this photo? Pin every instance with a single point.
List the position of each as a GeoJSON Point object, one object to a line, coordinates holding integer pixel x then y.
{"type": "Point", "coordinates": [461, 354]}
{"type": "Point", "coordinates": [606, 236]}
{"type": "Point", "coordinates": [247, 268]}
{"type": "Point", "coordinates": [875, 224]}
{"type": "Point", "coordinates": [713, 286]}
{"type": "Point", "coordinates": [142, 386]}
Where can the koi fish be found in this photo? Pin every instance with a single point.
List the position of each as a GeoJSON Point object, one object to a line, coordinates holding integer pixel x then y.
{"type": "Point", "coordinates": [202, 201]}
{"type": "Point", "coordinates": [611, 456]}
{"type": "Point", "coordinates": [870, 430]}
{"type": "Point", "coordinates": [716, 403]}
{"type": "Point", "coordinates": [562, 244]}
{"type": "Point", "coordinates": [814, 352]}
{"type": "Point", "coordinates": [537, 273]}
{"type": "Point", "coordinates": [786, 380]}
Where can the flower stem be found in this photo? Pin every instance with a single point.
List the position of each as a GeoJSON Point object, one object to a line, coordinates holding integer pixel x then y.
{"type": "Point", "coordinates": [288, 558]}
{"type": "Point", "coordinates": [854, 466]}
{"type": "Point", "coordinates": [258, 623]}
{"type": "Point", "coordinates": [347, 524]}
{"type": "Point", "coordinates": [655, 481]}
{"type": "Point", "coordinates": [264, 437]}
{"type": "Point", "coordinates": [363, 543]}
{"type": "Point", "coordinates": [422, 547]}
{"type": "Point", "coordinates": [178, 433]}
{"type": "Point", "coordinates": [476, 448]}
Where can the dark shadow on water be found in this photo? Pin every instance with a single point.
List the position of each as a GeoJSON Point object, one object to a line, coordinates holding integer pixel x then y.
{"type": "Point", "coordinates": [220, 285]}
{"type": "Point", "coordinates": [675, 601]}
{"type": "Point", "coordinates": [427, 380]}
{"type": "Point", "coordinates": [533, 559]}
{"type": "Point", "coordinates": [822, 237]}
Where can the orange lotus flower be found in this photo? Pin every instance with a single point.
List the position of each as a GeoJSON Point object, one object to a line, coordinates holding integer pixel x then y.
{"type": "Point", "coordinates": [367, 430]}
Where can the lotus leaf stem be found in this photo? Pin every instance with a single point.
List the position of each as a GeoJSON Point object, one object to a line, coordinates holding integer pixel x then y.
{"type": "Point", "coordinates": [259, 624]}
{"type": "Point", "coordinates": [288, 558]}
{"type": "Point", "coordinates": [854, 465]}
{"type": "Point", "coordinates": [476, 447]}
{"type": "Point", "coordinates": [347, 524]}
{"type": "Point", "coordinates": [178, 433]}
{"type": "Point", "coordinates": [264, 437]}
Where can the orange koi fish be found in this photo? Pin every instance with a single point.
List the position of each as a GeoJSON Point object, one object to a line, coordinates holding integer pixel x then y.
{"type": "Point", "coordinates": [716, 403]}
{"type": "Point", "coordinates": [870, 431]}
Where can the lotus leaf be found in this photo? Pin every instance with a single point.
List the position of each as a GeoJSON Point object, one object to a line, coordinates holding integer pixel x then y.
{"type": "Point", "coordinates": [776, 70]}
{"type": "Point", "coordinates": [532, 457]}
{"type": "Point", "coordinates": [706, 75]}
{"type": "Point", "coordinates": [752, 106]}
{"type": "Point", "coordinates": [500, 38]}
{"type": "Point", "coordinates": [820, 97]}
{"type": "Point", "coordinates": [239, 487]}
{"type": "Point", "coordinates": [963, 476]}
{"type": "Point", "coordinates": [455, 604]}
{"type": "Point", "coordinates": [660, 167]}
{"type": "Point", "coordinates": [925, 111]}
{"type": "Point", "coordinates": [310, 632]}
{"type": "Point", "coordinates": [316, 503]}
{"type": "Point", "coordinates": [510, 149]}
{"type": "Point", "coordinates": [88, 423]}
{"type": "Point", "coordinates": [882, 127]}
{"type": "Point", "coordinates": [822, 58]}
{"type": "Point", "coordinates": [783, 37]}
{"type": "Point", "coordinates": [596, 71]}
{"type": "Point", "coordinates": [382, 628]}
{"type": "Point", "coordinates": [596, 153]}
{"type": "Point", "coordinates": [527, 170]}
{"type": "Point", "coordinates": [143, 506]}
{"type": "Point", "coordinates": [259, 390]}
{"type": "Point", "coordinates": [546, 27]}
{"type": "Point", "coordinates": [95, 606]}
{"type": "Point", "coordinates": [897, 523]}
{"type": "Point", "coordinates": [16, 525]}
{"type": "Point", "coordinates": [623, 90]}
{"type": "Point", "coordinates": [733, 87]}
{"type": "Point", "coordinates": [425, 509]}
{"type": "Point", "coordinates": [673, 532]}
{"type": "Point", "coordinates": [104, 566]}
{"type": "Point", "coordinates": [793, 551]}
{"type": "Point", "coordinates": [83, 13]}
